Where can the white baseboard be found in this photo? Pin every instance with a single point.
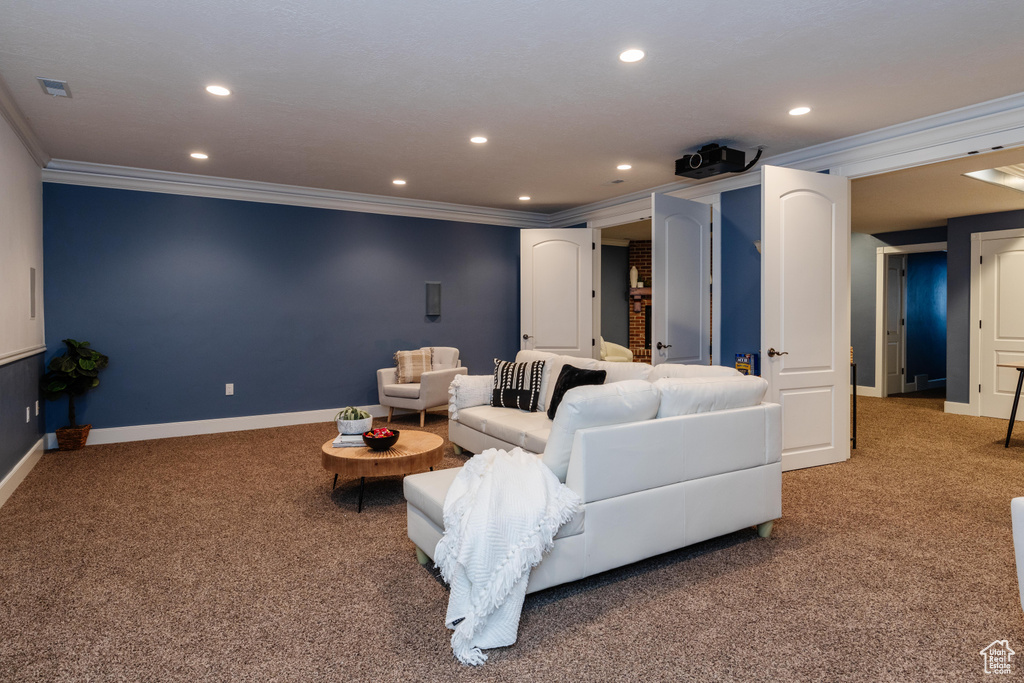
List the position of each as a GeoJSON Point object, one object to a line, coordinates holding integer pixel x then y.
{"type": "Point", "coordinates": [226, 424]}
{"type": "Point", "coordinates": [20, 471]}
{"type": "Point", "coordinates": [958, 408]}
{"type": "Point", "coordinates": [869, 391]}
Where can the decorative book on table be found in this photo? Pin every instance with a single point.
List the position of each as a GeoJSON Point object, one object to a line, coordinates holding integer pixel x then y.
{"type": "Point", "coordinates": [348, 440]}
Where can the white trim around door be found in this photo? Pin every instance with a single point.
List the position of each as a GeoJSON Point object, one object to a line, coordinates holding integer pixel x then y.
{"type": "Point", "coordinates": [880, 255]}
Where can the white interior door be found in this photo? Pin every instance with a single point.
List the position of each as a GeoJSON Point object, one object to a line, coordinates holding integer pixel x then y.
{"type": "Point", "coordinates": [1001, 279]}
{"type": "Point", "coordinates": [681, 281]}
{"type": "Point", "coordinates": [895, 323]}
{"type": "Point", "coordinates": [805, 316]}
{"type": "Point", "coordinates": [556, 280]}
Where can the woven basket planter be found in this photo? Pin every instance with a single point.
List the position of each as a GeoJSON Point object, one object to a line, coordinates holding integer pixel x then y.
{"type": "Point", "coordinates": [72, 438]}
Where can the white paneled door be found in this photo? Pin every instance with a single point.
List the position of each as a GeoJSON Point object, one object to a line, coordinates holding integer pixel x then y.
{"type": "Point", "coordinates": [895, 322]}
{"type": "Point", "coordinates": [805, 317]}
{"type": "Point", "coordinates": [681, 281]}
{"type": "Point", "coordinates": [1001, 279]}
{"type": "Point", "coordinates": [556, 282]}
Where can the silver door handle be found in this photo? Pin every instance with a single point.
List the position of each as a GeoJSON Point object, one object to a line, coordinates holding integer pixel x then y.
{"type": "Point", "coordinates": [772, 353]}
{"type": "Point", "coordinates": [664, 346]}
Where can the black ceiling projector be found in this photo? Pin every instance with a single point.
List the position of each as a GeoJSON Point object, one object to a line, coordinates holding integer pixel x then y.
{"type": "Point", "coordinates": [711, 160]}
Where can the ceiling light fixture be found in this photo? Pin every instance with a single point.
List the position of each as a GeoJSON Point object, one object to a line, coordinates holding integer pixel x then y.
{"type": "Point", "coordinates": [624, 167]}
{"type": "Point", "coordinates": [478, 139]}
{"type": "Point", "coordinates": [799, 111]}
{"type": "Point", "coordinates": [199, 155]}
{"type": "Point", "coordinates": [633, 55]}
{"type": "Point", "coordinates": [398, 182]}
{"type": "Point", "coordinates": [218, 90]}
{"type": "Point", "coordinates": [524, 198]}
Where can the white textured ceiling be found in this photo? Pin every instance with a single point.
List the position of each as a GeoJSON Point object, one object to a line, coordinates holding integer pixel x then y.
{"type": "Point", "coordinates": [349, 95]}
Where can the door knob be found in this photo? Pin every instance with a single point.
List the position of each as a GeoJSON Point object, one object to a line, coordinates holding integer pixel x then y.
{"type": "Point", "coordinates": [772, 353]}
{"type": "Point", "coordinates": [664, 346]}
{"type": "Point", "coordinates": [527, 336]}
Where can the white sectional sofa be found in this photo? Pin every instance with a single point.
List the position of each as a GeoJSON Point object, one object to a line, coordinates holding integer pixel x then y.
{"type": "Point", "coordinates": [661, 457]}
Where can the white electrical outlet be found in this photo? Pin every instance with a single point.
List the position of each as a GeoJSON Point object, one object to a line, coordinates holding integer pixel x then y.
{"type": "Point", "coordinates": [28, 414]}
{"type": "Point", "coordinates": [229, 389]}
{"type": "Point", "coordinates": [37, 407]}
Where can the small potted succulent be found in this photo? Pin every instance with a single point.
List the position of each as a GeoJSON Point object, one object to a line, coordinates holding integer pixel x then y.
{"type": "Point", "coordinates": [353, 420]}
{"type": "Point", "coordinates": [73, 373]}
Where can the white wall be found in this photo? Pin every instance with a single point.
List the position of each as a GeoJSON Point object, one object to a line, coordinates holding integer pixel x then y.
{"type": "Point", "coordinates": [21, 247]}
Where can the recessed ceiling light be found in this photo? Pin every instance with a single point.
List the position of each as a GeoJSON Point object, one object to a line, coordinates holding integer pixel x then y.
{"type": "Point", "coordinates": [218, 90]}
{"type": "Point", "coordinates": [624, 167]}
{"type": "Point", "coordinates": [525, 198]}
{"type": "Point", "coordinates": [479, 139]}
{"type": "Point", "coordinates": [398, 182]}
{"type": "Point", "coordinates": [632, 55]}
{"type": "Point", "coordinates": [799, 111]}
{"type": "Point", "coordinates": [199, 155]}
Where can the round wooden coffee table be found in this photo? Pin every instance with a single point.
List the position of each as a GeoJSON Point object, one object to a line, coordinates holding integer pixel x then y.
{"type": "Point", "coordinates": [414, 452]}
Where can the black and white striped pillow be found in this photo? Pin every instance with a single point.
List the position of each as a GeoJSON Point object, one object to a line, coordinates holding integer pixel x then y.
{"type": "Point", "coordinates": [517, 385]}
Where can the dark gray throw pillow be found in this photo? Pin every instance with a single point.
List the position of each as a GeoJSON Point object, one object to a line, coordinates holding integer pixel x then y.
{"type": "Point", "coordinates": [569, 378]}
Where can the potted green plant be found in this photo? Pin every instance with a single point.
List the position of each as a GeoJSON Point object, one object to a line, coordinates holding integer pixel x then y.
{"type": "Point", "coordinates": [74, 372]}
{"type": "Point", "coordinates": [352, 420]}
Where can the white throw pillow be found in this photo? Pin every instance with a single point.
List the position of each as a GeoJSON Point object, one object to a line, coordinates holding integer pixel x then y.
{"type": "Point", "coordinates": [596, 406]}
{"type": "Point", "coordinates": [686, 396]}
{"type": "Point", "coordinates": [677, 370]}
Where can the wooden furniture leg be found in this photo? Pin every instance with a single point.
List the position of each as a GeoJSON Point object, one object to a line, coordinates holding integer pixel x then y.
{"type": "Point", "coordinates": [423, 417]}
{"type": "Point", "coordinates": [390, 413]}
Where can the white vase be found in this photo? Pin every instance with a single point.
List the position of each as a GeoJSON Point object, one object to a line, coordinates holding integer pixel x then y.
{"type": "Point", "coordinates": [354, 426]}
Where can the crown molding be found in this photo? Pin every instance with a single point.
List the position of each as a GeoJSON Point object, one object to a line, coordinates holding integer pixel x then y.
{"type": "Point", "coordinates": [939, 137]}
{"type": "Point", "coordinates": [927, 140]}
{"type": "Point", "coordinates": [168, 182]}
{"type": "Point", "coordinates": [12, 114]}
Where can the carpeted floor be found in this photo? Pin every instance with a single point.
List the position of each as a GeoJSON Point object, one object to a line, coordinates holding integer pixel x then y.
{"type": "Point", "coordinates": [227, 557]}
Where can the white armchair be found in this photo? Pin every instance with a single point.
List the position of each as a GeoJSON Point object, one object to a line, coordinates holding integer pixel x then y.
{"type": "Point", "coordinates": [430, 392]}
{"type": "Point", "coordinates": [611, 351]}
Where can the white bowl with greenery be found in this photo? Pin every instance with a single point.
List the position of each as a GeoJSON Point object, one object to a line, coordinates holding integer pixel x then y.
{"type": "Point", "coordinates": [353, 421]}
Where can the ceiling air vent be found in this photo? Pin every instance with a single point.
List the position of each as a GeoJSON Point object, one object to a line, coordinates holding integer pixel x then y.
{"type": "Point", "coordinates": [54, 87]}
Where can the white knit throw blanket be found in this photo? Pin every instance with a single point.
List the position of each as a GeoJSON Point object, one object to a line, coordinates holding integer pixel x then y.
{"type": "Point", "coordinates": [501, 515]}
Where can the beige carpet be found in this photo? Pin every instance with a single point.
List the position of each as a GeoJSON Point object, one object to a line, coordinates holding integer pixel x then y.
{"type": "Point", "coordinates": [227, 557]}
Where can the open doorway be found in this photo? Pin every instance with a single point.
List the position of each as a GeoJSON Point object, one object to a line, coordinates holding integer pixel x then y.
{"type": "Point", "coordinates": [625, 312]}
{"type": "Point", "coordinates": [913, 296]}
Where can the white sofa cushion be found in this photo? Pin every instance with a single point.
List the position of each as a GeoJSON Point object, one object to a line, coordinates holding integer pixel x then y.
{"type": "Point", "coordinates": [686, 396]}
{"type": "Point", "coordinates": [595, 406]}
{"type": "Point", "coordinates": [619, 372]}
{"type": "Point", "coordinates": [510, 425]}
{"type": "Point", "coordinates": [402, 390]}
{"type": "Point", "coordinates": [677, 370]}
{"type": "Point", "coordinates": [426, 492]}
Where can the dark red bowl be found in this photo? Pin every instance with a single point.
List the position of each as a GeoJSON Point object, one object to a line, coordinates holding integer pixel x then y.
{"type": "Point", "coordinates": [381, 443]}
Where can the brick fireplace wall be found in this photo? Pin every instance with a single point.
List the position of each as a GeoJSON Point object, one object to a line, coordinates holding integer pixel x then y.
{"type": "Point", "coordinates": [640, 256]}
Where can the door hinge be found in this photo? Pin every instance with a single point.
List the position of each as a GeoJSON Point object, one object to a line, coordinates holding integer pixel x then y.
{"type": "Point", "coordinates": [903, 273]}
{"type": "Point", "coordinates": [979, 388]}
{"type": "Point", "coordinates": [903, 321]}
{"type": "Point", "coordinates": [593, 294]}
{"type": "Point", "coordinates": [592, 342]}
{"type": "Point", "coordinates": [981, 259]}
{"type": "Point", "coordinates": [593, 246]}
{"type": "Point", "coordinates": [902, 370]}
{"type": "Point", "coordinates": [979, 324]}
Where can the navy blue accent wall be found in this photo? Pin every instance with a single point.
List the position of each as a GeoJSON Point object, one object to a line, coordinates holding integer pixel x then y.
{"type": "Point", "coordinates": [740, 306]}
{"type": "Point", "coordinates": [614, 304]}
{"type": "Point", "coordinates": [958, 303]}
{"type": "Point", "coordinates": [926, 315]}
{"type": "Point", "coordinates": [19, 389]}
{"type": "Point", "coordinates": [296, 306]}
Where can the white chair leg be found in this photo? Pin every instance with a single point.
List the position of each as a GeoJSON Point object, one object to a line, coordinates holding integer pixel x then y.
{"type": "Point", "coordinates": [421, 556]}
{"type": "Point", "coordinates": [765, 530]}
{"type": "Point", "coordinates": [457, 448]}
